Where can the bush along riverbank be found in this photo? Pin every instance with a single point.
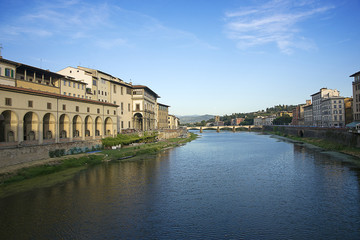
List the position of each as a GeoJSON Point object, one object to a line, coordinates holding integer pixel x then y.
{"type": "Point", "coordinates": [322, 143]}
{"type": "Point", "coordinates": [144, 145]}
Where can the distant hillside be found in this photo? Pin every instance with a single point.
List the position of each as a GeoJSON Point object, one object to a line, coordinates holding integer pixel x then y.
{"type": "Point", "coordinates": [194, 118]}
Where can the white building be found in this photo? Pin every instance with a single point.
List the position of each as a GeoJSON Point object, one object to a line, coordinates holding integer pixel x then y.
{"type": "Point", "coordinates": [333, 112]}
{"type": "Point", "coordinates": [317, 98]}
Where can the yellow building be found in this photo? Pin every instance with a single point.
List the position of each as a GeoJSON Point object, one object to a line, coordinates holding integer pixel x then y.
{"type": "Point", "coordinates": [144, 108]}
{"type": "Point", "coordinates": [162, 118]}
{"type": "Point", "coordinates": [32, 110]}
{"type": "Point", "coordinates": [173, 122]}
{"type": "Point", "coordinates": [104, 87]}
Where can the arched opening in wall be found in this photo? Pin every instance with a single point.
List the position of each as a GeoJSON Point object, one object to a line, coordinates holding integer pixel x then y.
{"type": "Point", "coordinates": [98, 127]}
{"type": "Point", "coordinates": [31, 126]}
{"type": "Point", "coordinates": [138, 121]}
{"type": "Point", "coordinates": [64, 126]}
{"type": "Point", "coordinates": [48, 126]}
{"type": "Point", "coordinates": [108, 126]}
{"type": "Point", "coordinates": [88, 126]}
{"type": "Point", "coordinates": [8, 126]}
{"type": "Point", "coordinates": [301, 133]}
{"type": "Point", "coordinates": [77, 126]}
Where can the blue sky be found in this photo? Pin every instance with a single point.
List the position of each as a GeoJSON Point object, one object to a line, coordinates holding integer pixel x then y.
{"type": "Point", "coordinates": [200, 56]}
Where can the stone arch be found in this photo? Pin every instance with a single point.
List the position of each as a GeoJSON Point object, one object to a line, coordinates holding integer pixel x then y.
{"type": "Point", "coordinates": [88, 126]}
{"type": "Point", "coordinates": [64, 126]}
{"type": "Point", "coordinates": [48, 126]}
{"type": "Point", "coordinates": [8, 126]}
{"type": "Point", "coordinates": [301, 133]}
{"type": "Point", "coordinates": [108, 126]}
{"type": "Point", "coordinates": [98, 126]}
{"type": "Point", "coordinates": [138, 121]}
{"type": "Point", "coordinates": [31, 126]}
{"type": "Point", "coordinates": [77, 130]}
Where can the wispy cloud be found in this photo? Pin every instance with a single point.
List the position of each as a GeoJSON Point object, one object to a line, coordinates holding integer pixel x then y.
{"type": "Point", "coordinates": [105, 25]}
{"type": "Point", "coordinates": [275, 21]}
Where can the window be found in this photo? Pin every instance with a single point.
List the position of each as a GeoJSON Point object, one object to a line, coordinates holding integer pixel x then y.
{"type": "Point", "coordinates": [69, 94]}
{"type": "Point", "coordinates": [73, 85]}
{"type": "Point", "coordinates": [77, 108]}
{"type": "Point", "coordinates": [94, 82]}
{"type": "Point", "coordinates": [30, 104]}
{"type": "Point", "coordinates": [9, 72]}
{"type": "Point", "coordinates": [121, 90]}
{"type": "Point", "coordinates": [82, 87]}
{"type": "Point", "coordinates": [99, 91]}
{"type": "Point", "coordinates": [88, 109]}
{"type": "Point", "coordinates": [102, 92]}
{"type": "Point", "coordinates": [114, 102]}
{"type": "Point", "coordinates": [339, 106]}
{"type": "Point", "coordinates": [334, 106]}
{"type": "Point", "coordinates": [114, 88]}
{"type": "Point", "coordinates": [74, 95]}
{"type": "Point", "coordinates": [78, 85]}
{"type": "Point", "coordinates": [108, 111]}
{"type": "Point", "coordinates": [69, 84]}
{"type": "Point", "coordinates": [64, 82]}
{"type": "Point", "coordinates": [94, 92]}
{"type": "Point", "coordinates": [64, 107]}
{"type": "Point", "coordinates": [114, 112]}
{"type": "Point", "coordinates": [64, 93]}
{"type": "Point", "coordinates": [129, 124]}
{"type": "Point", "coordinates": [137, 107]}
{"type": "Point", "coordinates": [128, 91]}
{"type": "Point", "coordinates": [122, 124]}
{"type": "Point", "coordinates": [98, 110]}
{"type": "Point", "coordinates": [105, 93]}
{"type": "Point", "coordinates": [48, 105]}
{"type": "Point", "coordinates": [78, 95]}
{"type": "Point", "coordinates": [122, 106]}
{"type": "Point", "coordinates": [129, 107]}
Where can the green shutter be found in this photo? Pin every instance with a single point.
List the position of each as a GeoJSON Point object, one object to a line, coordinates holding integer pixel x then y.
{"type": "Point", "coordinates": [12, 73]}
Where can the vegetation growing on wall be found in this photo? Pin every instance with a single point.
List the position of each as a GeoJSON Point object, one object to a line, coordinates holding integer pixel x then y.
{"type": "Point", "coordinates": [126, 139]}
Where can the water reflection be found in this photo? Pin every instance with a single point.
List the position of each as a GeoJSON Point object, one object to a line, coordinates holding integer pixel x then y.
{"type": "Point", "coordinates": [221, 186]}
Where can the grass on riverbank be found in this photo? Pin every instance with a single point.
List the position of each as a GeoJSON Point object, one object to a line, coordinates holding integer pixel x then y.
{"type": "Point", "coordinates": [324, 144]}
{"type": "Point", "coordinates": [82, 162]}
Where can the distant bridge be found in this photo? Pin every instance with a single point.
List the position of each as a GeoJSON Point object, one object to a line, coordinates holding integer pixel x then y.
{"type": "Point", "coordinates": [218, 128]}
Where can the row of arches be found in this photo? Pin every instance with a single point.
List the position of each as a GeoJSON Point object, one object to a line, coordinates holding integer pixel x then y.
{"type": "Point", "coordinates": [31, 127]}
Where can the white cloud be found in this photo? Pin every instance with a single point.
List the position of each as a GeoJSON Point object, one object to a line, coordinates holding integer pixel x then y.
{"type": "Point", "coordinates": [275, 21]}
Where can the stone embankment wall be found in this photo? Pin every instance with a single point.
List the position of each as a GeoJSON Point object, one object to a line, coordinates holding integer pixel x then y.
{"type": "Point", "coordinates": [25, 154]}
{"type": "Point", "coordinates": [172, 133]}
{"type": "Point", "coordinates": [337, 135]}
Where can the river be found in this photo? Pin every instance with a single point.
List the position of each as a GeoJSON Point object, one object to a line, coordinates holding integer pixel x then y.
{"type": "Point", "coordinates": [221, 186]}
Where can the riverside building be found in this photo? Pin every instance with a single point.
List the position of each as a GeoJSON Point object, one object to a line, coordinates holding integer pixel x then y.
{"type": "Point", "coordinates": [34, 109]}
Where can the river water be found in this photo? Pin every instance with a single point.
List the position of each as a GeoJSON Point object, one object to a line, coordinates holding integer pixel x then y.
{"type": "Point", "coordinates": [221, 186]}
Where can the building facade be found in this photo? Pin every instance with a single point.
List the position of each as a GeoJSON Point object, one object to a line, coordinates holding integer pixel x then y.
{"type": "Point", "coordinates": [144, 108]}
{"type": "Point", "coordinates": [173, 122]}
{"type": "Point", "coordinates": [356, 96]}
{"type": "Point", "coordinates": [33, 111]}
{"type": "Point", "coordinates": [333, 112]}
{"type": "Point", "coordinates": [237, 121]}
{"type": "Point", "coordinates": [104, 87]}
{"type": "Point", "coordinates": [317, 98]}
{"type": "Point", "coordinates": [298, 114]}
{"type": "Point", "coordinates": [308, 115]}
{"type": "Point", "coordinates": [163, 113]}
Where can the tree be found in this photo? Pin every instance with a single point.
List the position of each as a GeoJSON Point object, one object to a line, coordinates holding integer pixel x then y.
{"type": "Point", "coordinates": [283, 120]}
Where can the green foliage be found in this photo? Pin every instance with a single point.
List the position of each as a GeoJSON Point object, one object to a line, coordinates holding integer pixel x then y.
{"type": "Point", "coordinates": [283, 120]}
{"type": "Point", "coordinates": [126, 139]}
{"type": "Point", "coordinates": [27, 173]}
{"type": "Point", "coordinates": [57, 153]}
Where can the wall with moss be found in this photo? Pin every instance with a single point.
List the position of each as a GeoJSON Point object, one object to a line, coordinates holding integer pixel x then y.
{"type": "Point", "coordinates": [341, 136]}
{"type": "Point", "coordinates": [24, 154]}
